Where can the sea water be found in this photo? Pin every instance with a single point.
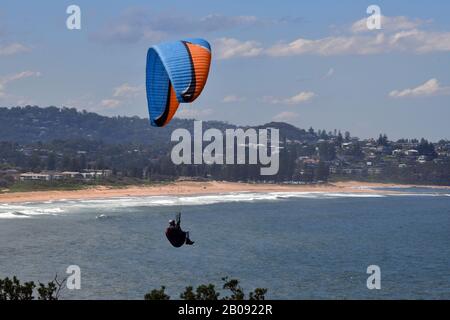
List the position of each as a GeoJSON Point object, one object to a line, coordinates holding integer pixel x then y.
{"type": "Point", "coordinates": [297, 245]}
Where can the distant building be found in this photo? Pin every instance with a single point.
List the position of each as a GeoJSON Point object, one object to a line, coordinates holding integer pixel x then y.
{"type": "Point", "coordinates": [347, 145]}
{"type": "Point", "coordinates": [30, 176]}
{"type": "Point", "coordinates": [89, 173]}
{"type": "Point", "coordinates": [422, 159]}
{"type": "Point", "coordinates": [412, 152]}
{"type": "Point", "coordinates": [48, 176]}
{"type": "Point", "coordinates": [71, 174]}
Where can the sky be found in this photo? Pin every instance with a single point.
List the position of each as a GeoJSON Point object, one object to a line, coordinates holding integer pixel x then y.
{"type": "Point", "coordinates": [309, 64]}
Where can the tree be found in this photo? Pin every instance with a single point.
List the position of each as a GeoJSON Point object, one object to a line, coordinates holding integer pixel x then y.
{"type": "Point", "coordinates": [52, 290]}
{"type": "Point", "coordinates": [83, 162]}
{"type": "Point", "coordinates": [208, 292]}
{"type": "Point", "coordinates": [426, 148]}
{"type": "Point", "coordinates": [51, 162]}
{"type": "Point", "coordinates": [258, 294]}
{"type": "Point", "coordinates": [322, 172]}
{"type": "Point", "coordinates": [327, 151]}
{"type": "Point", "coordinates": [74, 164]}
{"type": "Point", "coordinates": [66, 162]}
{"type": "Point", "coordinates": [157, 294]}
{"type": "Point", "coordinates": [355, 151]}
{"type": "Point", "coordinates": [323, 135]}
{"type": "Point", "coordinates": [339, 139]}
{"type": "Point", "coordinates": [237, 293]}
{"type": "Point", "coordinates": [6, 181]}
{"type": "Point", "coordinates": [35, 161]}
{"type": "Point", "coordinates": [13, 289]}
{"type": "Point", "coordinates": [347, 136]}
{"type": "Point", "coordinates": [203, 292]}
{"type": "Point", "coordinates": [383, 140]}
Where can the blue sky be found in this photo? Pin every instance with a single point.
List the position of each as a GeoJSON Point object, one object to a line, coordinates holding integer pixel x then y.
{"type": "Point", "coordinates": [307, 64]}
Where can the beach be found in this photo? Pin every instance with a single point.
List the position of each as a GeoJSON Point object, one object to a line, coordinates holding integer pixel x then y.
{"type": "Point", "coordinates": [191, 188]}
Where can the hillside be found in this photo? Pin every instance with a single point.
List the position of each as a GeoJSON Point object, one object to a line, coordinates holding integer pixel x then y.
{"type": "Point", "coordinates": [33, 124]}
{"type": "Point", "coordinates": [52, 139]}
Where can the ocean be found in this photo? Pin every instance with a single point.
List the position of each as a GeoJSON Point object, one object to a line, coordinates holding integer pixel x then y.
{"type": "Point", "coordinates": [297, 245]}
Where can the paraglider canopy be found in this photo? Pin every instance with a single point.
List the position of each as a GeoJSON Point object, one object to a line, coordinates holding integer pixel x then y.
{"type": "Point", "coordinates": [176, 73]}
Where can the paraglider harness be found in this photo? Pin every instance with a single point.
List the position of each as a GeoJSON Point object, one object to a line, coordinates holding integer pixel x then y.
{"type": "Point", "coordinates": [175, 235]}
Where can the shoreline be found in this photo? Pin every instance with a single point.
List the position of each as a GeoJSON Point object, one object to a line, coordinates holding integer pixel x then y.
{"type": "Point", "coordinates": [197, 188]}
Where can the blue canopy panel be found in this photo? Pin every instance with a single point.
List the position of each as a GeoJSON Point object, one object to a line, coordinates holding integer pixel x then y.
{"type": "Point", "coordinates": [176, 72]}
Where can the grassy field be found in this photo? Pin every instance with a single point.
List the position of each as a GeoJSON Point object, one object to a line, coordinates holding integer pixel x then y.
{"type": "Point", "coordinates": [115, 183]}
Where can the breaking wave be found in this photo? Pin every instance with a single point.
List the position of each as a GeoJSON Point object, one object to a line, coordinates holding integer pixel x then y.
{"type": "Point", "coordinates": [30, 210]}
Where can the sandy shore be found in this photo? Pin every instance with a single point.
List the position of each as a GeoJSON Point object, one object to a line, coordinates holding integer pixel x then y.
{"type": "Point", "coordinates": [188, 188]}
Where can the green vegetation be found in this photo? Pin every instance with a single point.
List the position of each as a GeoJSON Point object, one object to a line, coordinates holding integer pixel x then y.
{"type": "Point", "coordinates": [68, 185]}
{"type": "Point", "coordinates": [209, 292]}
{"type": "Point", "coordinates": [13, 289]}
{"type": "Point", "coordinates": [27, 186]}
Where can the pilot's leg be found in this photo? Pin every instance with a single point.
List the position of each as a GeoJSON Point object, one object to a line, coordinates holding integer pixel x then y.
{"type": "Point", "coordinates": [188, 241]}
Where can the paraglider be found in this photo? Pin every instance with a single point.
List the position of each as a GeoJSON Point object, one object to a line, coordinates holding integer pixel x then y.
{"type": "Point", "coordinates": [175, 235]}
{"type": "Point", "coordinates": [176, 73]}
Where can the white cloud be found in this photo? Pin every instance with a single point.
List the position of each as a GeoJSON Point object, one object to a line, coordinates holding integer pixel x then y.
{"type": "Point", "coordinates": [429, 88]}
{"type": "Point", "coordinates": [13, 48]}
{"type": "Point", "coordinates": [420, 41]}
{"type": "Point", "coordinates": [120, 95]}
{"type": "Point", "coordinates": [110, 103]}
{"type": "Point", "coordinates": [285, 116]}
{"type": "Point", "coordinates": [125, 90]}
{"type": "Point", "coordinates": [18, 76]}
{"type": "Point", "coordinates": [299, 98]}
{"type": "Point", "coordinates": [388, 24]}
{"type": "Point", "coordinates": [226, 48]}
{"type": "Point", "coordinates": [191, 113]}
{"type": "Point", "coordinates": [233, 98]}
{"type": "Point", "coordinates": [330, 46]}
{"type": "Point", "coordinates": [4, 81]}
{"type": "Point", "coordinates": [142, 24]}
{"type": "Point", "coordinates": [398, 34]}
{"type": "Point", "coordinates": [415, 41]}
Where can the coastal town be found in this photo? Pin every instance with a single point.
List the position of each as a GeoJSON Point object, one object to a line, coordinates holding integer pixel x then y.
{"type": "Point", "coordinates": [354, 158]}
{"type": "Point", "coordinates": [306, 156]}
